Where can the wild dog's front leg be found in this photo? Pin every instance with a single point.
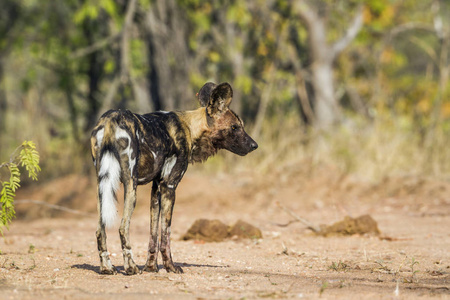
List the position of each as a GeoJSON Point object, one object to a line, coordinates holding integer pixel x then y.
{"type": "Point", "coordinates": [155, 207]}
{"type": "Point", "coordinates": [167, 203]}
{"type": "Point", "coordinates": [124, 230]}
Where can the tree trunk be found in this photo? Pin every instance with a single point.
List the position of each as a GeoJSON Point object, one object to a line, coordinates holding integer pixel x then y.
{"type": "Point", "coordinates": [94, 73]}
{"type": "Point", "coordinates": [322, 55]}
{"type": "Point", "coordinates": [165, 30]}
{"type": "Point", "coordinates": [152, 74]}
{"type": "Point", "coordinates": [326, 107]}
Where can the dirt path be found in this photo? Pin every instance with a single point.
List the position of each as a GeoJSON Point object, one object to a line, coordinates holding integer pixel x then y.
{"type": "Point", "coordinates": [57, 258]}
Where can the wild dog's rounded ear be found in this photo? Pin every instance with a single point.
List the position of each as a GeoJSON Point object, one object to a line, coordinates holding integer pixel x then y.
{"type": "Point", "coordinates": [220, 99]}
{"type": "Point", "coordinates": [205, 93]}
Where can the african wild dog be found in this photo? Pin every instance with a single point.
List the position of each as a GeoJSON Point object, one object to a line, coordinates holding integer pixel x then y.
{"type": "Point", "coordinates": [136, 149]}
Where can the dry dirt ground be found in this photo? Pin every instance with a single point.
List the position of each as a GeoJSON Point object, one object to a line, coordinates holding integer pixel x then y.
{"type": "Point", "coordinates": [48, 254]}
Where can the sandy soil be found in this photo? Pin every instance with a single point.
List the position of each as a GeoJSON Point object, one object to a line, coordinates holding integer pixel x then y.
{"type": "Point", "coordinates": [56, 258]}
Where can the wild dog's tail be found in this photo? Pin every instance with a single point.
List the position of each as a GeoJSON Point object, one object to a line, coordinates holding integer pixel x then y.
{"type": "Point", "coordinates": [108, 170]}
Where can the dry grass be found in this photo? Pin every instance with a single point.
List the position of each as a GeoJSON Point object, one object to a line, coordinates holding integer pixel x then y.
{"type": "Point", "coordinates": [370, 151]}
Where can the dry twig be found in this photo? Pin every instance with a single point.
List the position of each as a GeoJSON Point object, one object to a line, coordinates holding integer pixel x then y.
{"type": "Point", "coordinates": [308, 224]}
{"type": "Point", "coordinates": [53, 206]}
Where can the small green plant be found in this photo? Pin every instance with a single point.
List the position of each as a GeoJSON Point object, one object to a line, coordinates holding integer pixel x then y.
{"type": "Point", "coordinates": [382, 266]}
{"type": "Point", "coordinates": [26, 156]}
{"type": "Point", "coordinates": [340, 266]}
{"type": "Point", "coordinates": [323, 287]}
{"type": "Point", "coordinates": [33, 266]}
{"type": "Point", "coordinates": [413, 272]}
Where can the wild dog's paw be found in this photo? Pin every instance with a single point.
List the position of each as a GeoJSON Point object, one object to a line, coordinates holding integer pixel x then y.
{"type": "Point", "coordinates": [170, 268]}
{"type": "Point", "coordinates": [133, 270]}
{"type": "Point", "coordinates": [151, 268]}
{"type": "Point", "coordinates": [106, 267]}
{"type": "Point", "coordinates": [108, 270]}
{"type": "Point", "coordinates": [129, 265]}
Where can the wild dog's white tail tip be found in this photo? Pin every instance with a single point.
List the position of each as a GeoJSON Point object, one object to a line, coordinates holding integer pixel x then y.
{"type": "Point", "coordinates": [109, 176]}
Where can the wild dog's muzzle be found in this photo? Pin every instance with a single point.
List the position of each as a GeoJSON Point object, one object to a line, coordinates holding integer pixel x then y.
{"type": "Point", "coordinates": [245, 146]}
{"type": "Point", "coordinates": [253, 145]}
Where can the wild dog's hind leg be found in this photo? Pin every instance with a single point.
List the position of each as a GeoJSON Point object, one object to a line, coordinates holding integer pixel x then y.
{"type": "Point", "coordinates": [155, 207]}
{"type": "Point", "coordinates": [167, 203]}
{"type": "Point", "coordinates": [124, 230]}
{"type": "Point", "coordinates": [106, 266]}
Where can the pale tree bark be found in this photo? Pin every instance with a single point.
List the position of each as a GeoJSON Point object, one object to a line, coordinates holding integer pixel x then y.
{"type": "Point", "coordinates": [436, 136]}
{"type": "Point", "coordinates": [441, 58]}
{"type": "Point", "coordinates": [266, 94]}
{"type": "Point", "coordinates": [236, 60]}
{"type": "Point", "coordinates": [322, 55]}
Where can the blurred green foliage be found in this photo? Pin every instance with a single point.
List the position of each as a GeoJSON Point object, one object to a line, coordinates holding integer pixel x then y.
{"type": "Point", "coordinates": [63, 63]}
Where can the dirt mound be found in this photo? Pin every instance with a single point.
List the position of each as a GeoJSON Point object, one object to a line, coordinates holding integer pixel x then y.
{"type": "Point", "coordinates": [207, 230]}
{"type": "Point", "coordinates": [349, 226]}
{"type": "Point", "coordinates": [216, 231]}
{"type": "Point", "coordinates": [244, 230]}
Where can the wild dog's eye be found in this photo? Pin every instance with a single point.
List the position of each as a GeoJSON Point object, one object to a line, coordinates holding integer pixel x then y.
{"type": "Point", "coordinates": [234, 127]}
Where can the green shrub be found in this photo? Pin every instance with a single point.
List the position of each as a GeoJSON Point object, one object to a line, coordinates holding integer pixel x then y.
{"type": "Point", "coordinates": [26, 156]}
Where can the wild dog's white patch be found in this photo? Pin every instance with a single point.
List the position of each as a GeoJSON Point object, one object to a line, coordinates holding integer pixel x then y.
{"type": "Point", "coordinates": [170, 186]}
{"type": "Point", "coordinates": [132, 164]}
{"type": "Point", "coordinates": [109, 183]}
{"type": "Point", "coordinates": [99, 136]}
{"type": "Point", "coordinates": [164, 112]}
{"type": "Point", "coordinates": [121, 133]}
{"type": "Point", "coordinates": [105, 255]}
{"type": "Point", "coordinates": [154, 154]}
{"type": "Point", "coordinates": [138, 137]}
{"type": "Point", "coordinates": [168, 166]}
{"type": "Point", "coordinates": [126, 252]}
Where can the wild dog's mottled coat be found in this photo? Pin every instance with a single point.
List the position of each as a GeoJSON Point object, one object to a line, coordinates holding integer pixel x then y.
{"type": "Point", "coordinates": [136, 149]}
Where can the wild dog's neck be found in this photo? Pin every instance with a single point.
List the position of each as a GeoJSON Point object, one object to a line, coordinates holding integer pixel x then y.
{"type": "Point", "coordinates": [195, 121]}
{"type": "Point", "coordinates": [199, 135]}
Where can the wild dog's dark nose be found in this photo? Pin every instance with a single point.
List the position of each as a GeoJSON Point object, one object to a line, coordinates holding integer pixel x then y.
{"type": "Point", "coordinates": [254, 145]}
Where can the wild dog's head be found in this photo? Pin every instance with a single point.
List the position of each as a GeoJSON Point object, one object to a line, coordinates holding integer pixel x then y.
{"type": "Point", "coordinates": [227, 129]}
